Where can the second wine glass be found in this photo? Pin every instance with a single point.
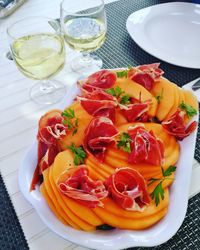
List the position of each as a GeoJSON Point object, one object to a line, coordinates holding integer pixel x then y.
{"type": "Point", "coordinates": [84, 28]}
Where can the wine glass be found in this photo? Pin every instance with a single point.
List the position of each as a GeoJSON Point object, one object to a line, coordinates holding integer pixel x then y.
{"type": "Point", "coordinates": [84, 28]}
{"type": "Point", "coordinates": [39, 53]}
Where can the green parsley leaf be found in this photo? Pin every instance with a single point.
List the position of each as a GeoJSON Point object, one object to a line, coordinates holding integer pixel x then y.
{"type": "Point", "coordinates": [79, 154]}
{"type": "Point", "coordinates": [70, 120]}
{"type": "Point", "coordinates": [190, 111]}
{"type": "Point", "coordinates": [118, 91]}
{"type": "Point", "coordinates": [168, 171]}
{"type": "Point", "coordinates": [125, 142]}
{"type": "Point", "coordinates": [152, 180]}
{"type": "Point", "coordinates": [115, 91]}
{"type": "Point", "coordinates": [158, 193]}
{"type": "Point", "coordinates": [123, 73]}
{"type": "Point", "coordinates": [125, 99]}
{"type": "Point", "coordinates": [69, 113]}
{"type": "Point", "coordinates": [111, 91]}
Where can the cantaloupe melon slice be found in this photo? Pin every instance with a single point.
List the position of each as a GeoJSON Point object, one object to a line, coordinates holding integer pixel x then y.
{"type": "Point", "coordinates": [176, 102]}
{"type": "Point", "coordinates": [62, 201]}
{"type": "Point", "coordinates": [137, 91]}
{"type": "Point", "coordinates": [181, 95]}
{"type": "Point", "coordinates": [151, 209]}
{"type": "Point", "coordinates": [55, 200]}
{"type": "Point", "coordinates": [62, 163]}
{"type": "Point", "coordinates": [165, 89]}
{"type": "Point", "coordinates": [128, 223]}
{"type": "Point", "coordinates": [191, 99]}
{"type": "Point", "coordinates": [83, 120]}
{"type": "Point", "coordinates": [51, 204]}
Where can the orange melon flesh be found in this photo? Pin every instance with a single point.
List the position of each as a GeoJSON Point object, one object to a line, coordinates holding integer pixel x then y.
{"type": "Point", "coordinates": [151, 209]}
{"type": "Point", "coordinates": [119, 118]}
{"type": "Point", "coordinates": [50, 204]}
{"type": "Point", "coordinates": [165, 89]}
{"type": "Point", "coordinates": [62, 201]}
{"type": "Point", "coordinates": [176, 103]}
{"type": "Point", "coordinates": [191, 99]}
{"type": "Point", "coordinates": [55, 200]}
{"type": "Point", "coordinates": [83, 120]}
{"type": "Point", "coordinates": [181, 95]}
{"type": "Point", "coordinates": [168, 141]}
{"type": "Point", "coordinates": [62, 163]}
{"type": "Point", "coordinates": [166, 183]}
{"type": "Point", "coordinates": [137, 91]}
{"type": "Point", "coordinates": [104, 175]}
{"type": "Point", "coordinates": [127, 223]}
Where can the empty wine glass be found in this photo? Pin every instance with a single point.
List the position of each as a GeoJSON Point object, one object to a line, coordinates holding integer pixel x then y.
{"type": "Point", "coordinates": [84, 28]}
{"type": "Point", "coordinates": [39, 53]}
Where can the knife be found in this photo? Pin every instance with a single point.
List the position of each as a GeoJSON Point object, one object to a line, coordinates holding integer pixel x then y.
{"type": "Point", "coordinates": [196, 85]}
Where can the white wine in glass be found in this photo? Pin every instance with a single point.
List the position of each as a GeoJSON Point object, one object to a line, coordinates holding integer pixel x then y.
{"type": "Point", "coordinates": [84, 28]}
{"type": "Point", "coordinates": [39, 53]}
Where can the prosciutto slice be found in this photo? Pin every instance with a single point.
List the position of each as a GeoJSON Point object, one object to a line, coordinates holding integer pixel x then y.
{"type": "Point", "coordinates": [146, 74]}
{"type": "Point", "coordinates": [99, 135]}
{"type": "Point", "coordinates": [175, 125]}
{"type": "Point", "coordinates": [99, 103]}
{"type": "Point", "coordinates": [48, 134]}
{"type": "Point", "coordinates": [136, 111]}
{"type": "Point", "coordinates": [79, 186]}
{"type": "Point", "coordinates": [145, 147]}
{"type": "Point", "coordinates": [128, 189]}
{"type": "Point", "coordinates": [103, 79]}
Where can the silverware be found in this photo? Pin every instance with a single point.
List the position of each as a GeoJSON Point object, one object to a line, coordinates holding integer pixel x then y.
{"type": "Point", "coordinates": [196, 85]}
{"type": "Point", "coordinates": [54, 24]}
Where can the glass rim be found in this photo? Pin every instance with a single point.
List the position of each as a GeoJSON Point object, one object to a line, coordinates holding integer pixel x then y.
{"type": "Point", "coordinates": [87, 14]}
{"type": "Point", "coordinates": [24, 19]}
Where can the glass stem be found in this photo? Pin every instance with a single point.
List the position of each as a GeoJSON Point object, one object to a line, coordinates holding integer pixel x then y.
{"type": "Point", "coordinates": [86, 57]}
{"type": "Point", "coordinates": [46, 86]}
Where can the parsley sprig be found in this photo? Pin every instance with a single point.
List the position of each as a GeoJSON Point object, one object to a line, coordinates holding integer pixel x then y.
{"type": "Point", "coordinates": [122, 73]}
{"type": "Point", "coordinates": [190, 111]}
{"type": "Point", "coordinates": [124, 142]}
{"type": "Point", "coordinates": [70, 120]}
{"type": "Point", "coordinates": [120, 95]}
{"type": "Point", "coordinates": [79, 154]}
{"type": "Point", "coordinates": [158, 192]}
{"type": "Point", "coordinates": [125, 99]}
{"type": "Point", "coordinates": [115, 91]}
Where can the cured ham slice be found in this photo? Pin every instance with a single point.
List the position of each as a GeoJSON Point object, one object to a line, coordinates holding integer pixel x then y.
{"type": "Point", "coordinates": [98, 136]}
{"type": "Point", "coordinates": [175, 125]}
{"type": "Point", "coordinates": [49, 132]}
{"type": "Point", "coordinates": [146, 74]}
{"type": "Point", "coordinates": [128, 189]}
{"type": "Point", "coordinates": [136, 111]}
{"type": "Point", "coordinates": [103, 79]}
{"type": "Point", "coordinates": [99, 103]}
{"type": "Point", "coordinates": [145, 147]}
{"type": "Point", "coordinates": [79, 186]}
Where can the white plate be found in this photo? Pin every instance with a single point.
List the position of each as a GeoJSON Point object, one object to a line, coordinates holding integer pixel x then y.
{"type": "Point", "coordinates": [170, 32]}
{"type": "Point", "coordinates": [115, 239]}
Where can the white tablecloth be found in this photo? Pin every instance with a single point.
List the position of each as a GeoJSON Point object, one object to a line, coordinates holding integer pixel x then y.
{"type": "Point", "coordinates": [18, 127]}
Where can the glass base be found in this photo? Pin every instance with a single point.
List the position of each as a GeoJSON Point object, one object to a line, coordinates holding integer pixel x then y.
{"type": "Point", "coordinates": [86, 65]}
{"type": "Point", "coordinates": [47, 92]}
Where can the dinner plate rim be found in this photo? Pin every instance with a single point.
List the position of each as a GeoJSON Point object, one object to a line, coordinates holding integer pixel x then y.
{"type": "Point", "coordinates": [148, 50]}
{"type": "Point", "coordinates": [121, 238]}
